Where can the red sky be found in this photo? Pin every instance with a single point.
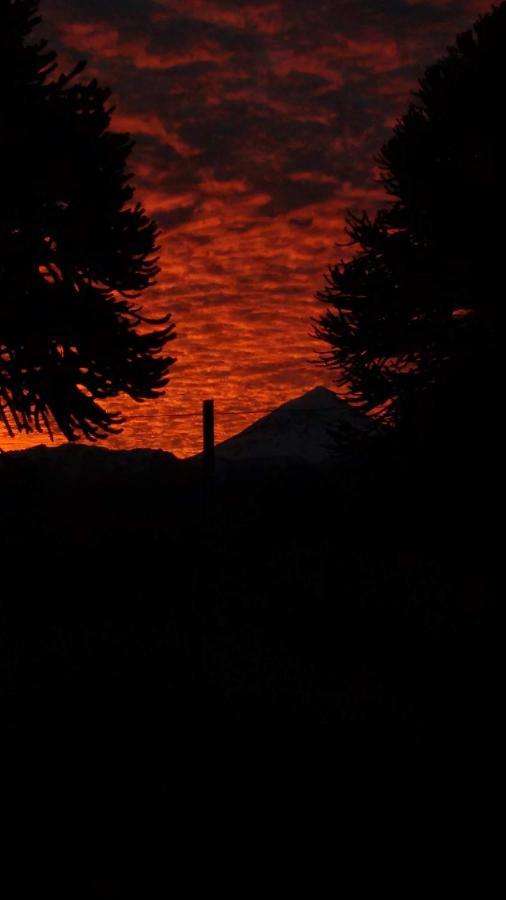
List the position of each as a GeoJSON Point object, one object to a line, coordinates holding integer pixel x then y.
{"type": "Point", "coordinates": [256, 126]}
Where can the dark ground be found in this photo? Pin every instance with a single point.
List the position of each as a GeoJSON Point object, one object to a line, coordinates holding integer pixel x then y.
{"type": "Point", "coordinates": [300, 621]}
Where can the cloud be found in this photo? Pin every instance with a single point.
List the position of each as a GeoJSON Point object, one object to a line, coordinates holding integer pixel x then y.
{"type": "Point", "coordinates": [256, 127]}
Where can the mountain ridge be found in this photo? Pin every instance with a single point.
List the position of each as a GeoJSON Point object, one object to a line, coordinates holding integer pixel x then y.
{"type": "Point", "coordinates": [298, 429]}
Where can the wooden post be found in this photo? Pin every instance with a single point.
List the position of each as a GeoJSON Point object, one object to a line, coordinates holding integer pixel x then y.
{"type": "Point", "coordinates": [208, 413]}
{"type": "Point", "coordinates": [208, 460]}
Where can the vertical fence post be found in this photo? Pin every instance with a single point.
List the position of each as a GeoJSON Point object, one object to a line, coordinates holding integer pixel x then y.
{"type": "Point", "coordinates": [208, 414]}
{"type": "Point", "coordinates": [208, 459]}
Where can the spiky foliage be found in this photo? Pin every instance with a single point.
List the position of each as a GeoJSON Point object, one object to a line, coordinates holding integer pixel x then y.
{"type": "Point", "coordinates": [75, 250]}
{"type": "Point", "coordinates": [414, 322]}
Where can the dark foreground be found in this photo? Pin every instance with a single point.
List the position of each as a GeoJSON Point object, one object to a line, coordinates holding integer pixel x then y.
{"type": "Point", "coordinates": [300, 621]}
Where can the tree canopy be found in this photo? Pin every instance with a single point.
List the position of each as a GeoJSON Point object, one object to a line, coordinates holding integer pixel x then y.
{"type": "Point", "coordinates": [76, 250]}
{"type": "Point", "coordinates": [414, 321]}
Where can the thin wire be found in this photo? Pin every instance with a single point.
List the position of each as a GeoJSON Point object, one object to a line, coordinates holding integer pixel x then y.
{"type": "Point", "coordinates": [238, 412]}
{"type": "Point", "coordinates": [161, 417]}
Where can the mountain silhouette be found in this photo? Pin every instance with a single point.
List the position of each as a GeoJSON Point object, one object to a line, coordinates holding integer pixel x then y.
{"type": "Point", "coordinates": [300, 429]}
{"type": "Point", "coordinates": [79, 461]}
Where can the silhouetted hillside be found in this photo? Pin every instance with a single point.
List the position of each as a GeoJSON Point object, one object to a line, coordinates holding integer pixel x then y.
{"type": "Point", "coordinates": [146, 617]}
{"type": "Point", "coordinates": [299, 430]}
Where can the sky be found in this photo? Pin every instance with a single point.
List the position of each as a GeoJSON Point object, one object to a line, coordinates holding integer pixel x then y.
{"type": "Point", "coordinates": [256, 124]}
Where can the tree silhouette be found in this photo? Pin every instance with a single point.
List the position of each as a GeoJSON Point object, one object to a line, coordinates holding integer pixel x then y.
{"type": "Point", "coordinates": [75, 250]}
{"type": "Point", "coordinates": [414, 322]}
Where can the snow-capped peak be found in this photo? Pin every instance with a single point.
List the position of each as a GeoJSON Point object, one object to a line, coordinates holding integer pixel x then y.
{"type": "Point", "coordinates": [298, 429]}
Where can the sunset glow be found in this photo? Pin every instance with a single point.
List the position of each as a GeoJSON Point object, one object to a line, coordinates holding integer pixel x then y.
{"type": "Point", "coordinates": [256, 127]}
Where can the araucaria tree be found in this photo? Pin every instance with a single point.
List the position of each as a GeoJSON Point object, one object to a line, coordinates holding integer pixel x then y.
{"type": "Point", "coordinates": [76, 251]}
{"type": "Point", "coordinates": [414, 324]}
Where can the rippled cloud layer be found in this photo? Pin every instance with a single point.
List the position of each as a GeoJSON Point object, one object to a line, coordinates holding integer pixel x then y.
{"type": "Point", "coordinates": [257, 124]}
